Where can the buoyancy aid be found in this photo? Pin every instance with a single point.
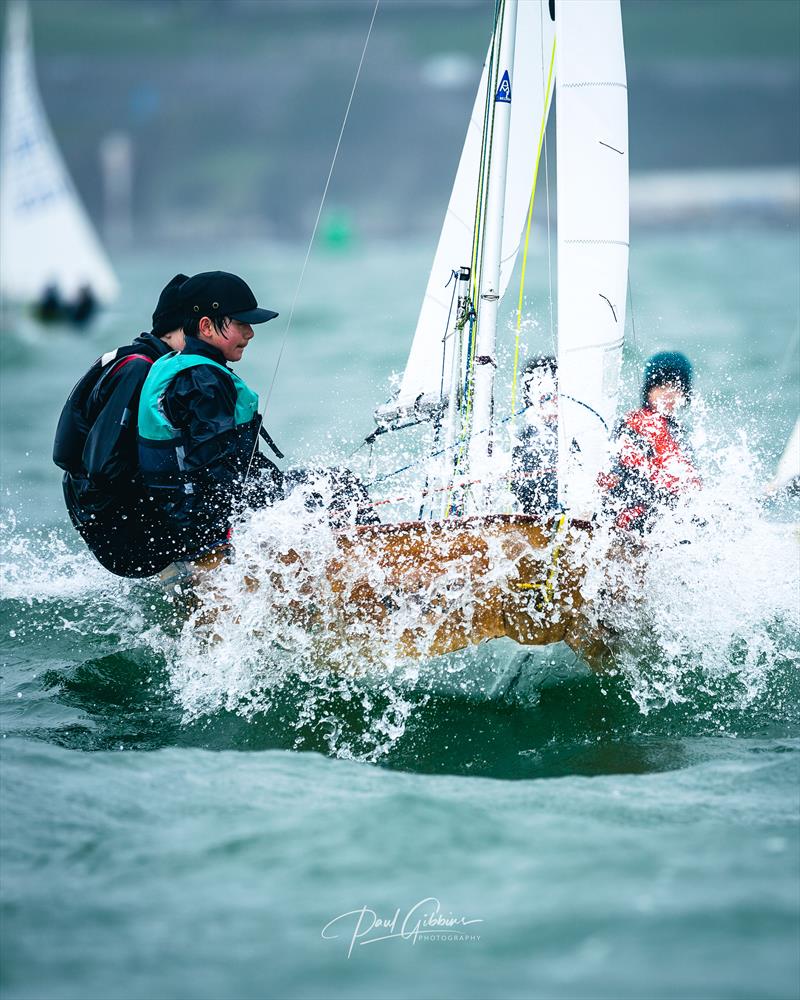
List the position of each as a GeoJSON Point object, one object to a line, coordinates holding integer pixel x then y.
{"type": "Point", "coordinates": [79, 413]}
{"type": "Point", "coordinates": [162, 446]}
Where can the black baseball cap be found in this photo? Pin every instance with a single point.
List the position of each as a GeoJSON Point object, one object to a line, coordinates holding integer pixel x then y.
{"type": "Point", "coordinates": [169, 312]}
{"type": "Point", "coordinates": [219, 293]}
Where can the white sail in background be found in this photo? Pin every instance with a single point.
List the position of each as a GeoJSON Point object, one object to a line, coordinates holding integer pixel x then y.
{"type": "Point", "coordinates": [533, 48]}
{"type": "Point", "coordinates": [592, 153]}
{"type": "Point", "coordinates": [45, 235]}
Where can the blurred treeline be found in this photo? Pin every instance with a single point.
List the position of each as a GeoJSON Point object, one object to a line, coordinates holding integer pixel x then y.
{"type": "Point", "coordinates": [233, 106]}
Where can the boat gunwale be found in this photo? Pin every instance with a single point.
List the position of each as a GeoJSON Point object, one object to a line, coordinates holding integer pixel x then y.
{"type": "Point", "coordinates": [471, 522]}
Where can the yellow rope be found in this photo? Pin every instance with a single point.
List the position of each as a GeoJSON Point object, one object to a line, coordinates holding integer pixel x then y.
{"type": "Point", "coordinates": [548, 586]}
{"type": "Point", "coordinates": [559, 541]}
{"type": "Point", "coordinates": [528, 235]}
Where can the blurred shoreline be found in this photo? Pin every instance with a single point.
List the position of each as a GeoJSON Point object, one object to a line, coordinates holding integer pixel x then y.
{"type": "Point", "coordinates": [231, 109]}
{"type": "Point", "coordinates": [689, 197]}
{"type": "Point", "coordinates": [659, 199]}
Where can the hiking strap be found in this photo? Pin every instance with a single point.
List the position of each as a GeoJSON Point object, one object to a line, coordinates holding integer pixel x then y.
{"type": "Point", "coordinates": [270, 443]}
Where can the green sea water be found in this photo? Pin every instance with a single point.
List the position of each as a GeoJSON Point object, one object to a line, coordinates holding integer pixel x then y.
{"type": "Point", "coordinates": [181, 821]}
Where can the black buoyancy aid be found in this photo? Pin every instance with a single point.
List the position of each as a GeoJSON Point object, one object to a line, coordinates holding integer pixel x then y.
{"type": "Point", "coordinates": [162, 447]}
{"type": "Point", "coordinates": [80, 410]}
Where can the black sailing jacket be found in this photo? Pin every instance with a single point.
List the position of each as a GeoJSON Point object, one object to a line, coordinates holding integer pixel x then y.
{"type": "Point", "coordinates": [95, 440]}
{"type": "Point", "coordinates": [201, 403]}
{"type": "Point", "coordinates": [96, 446]}
{"type": "Point", "coordinates": [534, 469]}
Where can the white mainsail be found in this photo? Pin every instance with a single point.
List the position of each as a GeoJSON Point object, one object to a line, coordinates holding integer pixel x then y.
{"type": "Point", "coordinates": [592, 155]}
{"type": "Point", "coordinates": [532, 52]}
{"type": "Point", "coordinates": [45, 235]}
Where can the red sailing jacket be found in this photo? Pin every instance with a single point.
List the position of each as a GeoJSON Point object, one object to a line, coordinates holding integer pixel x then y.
{"type": "Point", "coordinates": [651, 467]}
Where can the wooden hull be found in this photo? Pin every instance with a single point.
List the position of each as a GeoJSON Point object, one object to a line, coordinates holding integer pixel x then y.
{"type": "Point", "coordinates": [427, 588]}
{"type": "Point", "coordinates": [433, 587]}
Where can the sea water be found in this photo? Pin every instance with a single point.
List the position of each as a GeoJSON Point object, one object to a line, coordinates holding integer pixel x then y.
{"type": "Point", "coordinates": [260, 817]}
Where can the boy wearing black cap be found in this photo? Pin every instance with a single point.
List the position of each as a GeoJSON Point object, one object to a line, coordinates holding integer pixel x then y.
{"type": "Point", "coordinates": [199, 422]}
{"type": "Point", "coordinates": [652, 465]}
{"type": "Point", "coordinates": [95, 445]}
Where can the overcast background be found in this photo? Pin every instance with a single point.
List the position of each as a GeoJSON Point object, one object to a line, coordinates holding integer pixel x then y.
{"type": "Point", "coordinates": [232, 107]}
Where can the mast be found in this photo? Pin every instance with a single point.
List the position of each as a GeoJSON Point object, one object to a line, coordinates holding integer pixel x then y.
{"type": "Point", "coordinates": [485, 362]}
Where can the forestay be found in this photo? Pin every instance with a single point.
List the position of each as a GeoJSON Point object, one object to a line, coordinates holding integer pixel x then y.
{"type": "Point", "coordinates": [45, 235]}
{"type": "Point", "coordinates": [592, 152]}
{"type": "Point", "coordinates": [422, 379]}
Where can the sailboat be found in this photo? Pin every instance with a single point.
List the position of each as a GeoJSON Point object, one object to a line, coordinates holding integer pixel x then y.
{"type": "Point", "coordinates": [470, 568]}
{"type": "Point", "coordinates": [46, 238]}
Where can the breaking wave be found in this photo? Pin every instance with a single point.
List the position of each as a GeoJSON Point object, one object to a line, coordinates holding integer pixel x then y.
{"type": "Point", "coordinates": [712, 623]}
{"type": "Point", "coordinates": [707, 640]}
{"type": "Point", "coordinates": [718, 606]}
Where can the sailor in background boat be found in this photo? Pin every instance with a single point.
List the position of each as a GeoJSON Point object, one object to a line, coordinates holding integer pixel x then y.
{"type": "Point", "coordinates": [49, 308]}
{"type": "Point", "coordinates": [95, 445]}
{"type": "Point", "coordinates": [534, 464]}
{"type": "Point", "coordinates": [653, 465]}
{"type": "Point", "coordinates": [199, 426]}
{"type": "Point", "coordinates": [84, 307]}
{"type": "Point", "coordinates": [52, 308]}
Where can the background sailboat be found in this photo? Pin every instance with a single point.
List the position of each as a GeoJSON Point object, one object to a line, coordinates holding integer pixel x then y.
{"type": "Point", "coordinates": [46, 238]}
{"type": "Point", "coordinates": [787, 475]}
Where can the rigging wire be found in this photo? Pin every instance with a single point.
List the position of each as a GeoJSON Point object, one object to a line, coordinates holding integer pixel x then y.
{"type": "Point", "coordinates": [636, 346]}
{"type": "Point", "coordinates": [528, 228]}
{"type": "Point", "coordinates": [447, 333]}
{"type": "Point", "coordinates": [314, 230]}
{"type": "Point", "coordinates": [549, 241]}
{"type": "Point", "coordinates": [546, 92]}
{"type": "Point", "coordinates": [553, 342]}
{"type": "Point", "coordinates": [480, 218]}
{"type": "Point", "coordinates": [442, 451]}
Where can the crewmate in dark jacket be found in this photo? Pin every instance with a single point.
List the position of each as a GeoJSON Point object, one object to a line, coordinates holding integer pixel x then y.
{"type": "Point", "coordinates": [199, 423]}
{"type": "Point", "coordinates": [653, 465]}
{"type": "Point", "coordinates": [534, 462]}
{"type": "Point", "coordinates": [96, 447]}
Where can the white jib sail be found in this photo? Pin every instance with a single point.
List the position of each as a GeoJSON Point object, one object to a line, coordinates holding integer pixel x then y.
{"type": "Point", "coordinates": [533, 48]}
{"type": "Point", "coordinates": [45, 235]}
{"type": "Point", "coordinates": [789, 465]}
{"type": "Point", "coordinates": [592, 159]}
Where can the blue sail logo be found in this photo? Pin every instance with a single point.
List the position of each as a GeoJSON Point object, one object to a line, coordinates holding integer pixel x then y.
{"type": "Point", "coordinates": [503, 95]}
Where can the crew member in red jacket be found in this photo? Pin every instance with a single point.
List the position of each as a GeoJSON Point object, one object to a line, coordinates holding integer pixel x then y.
{"type": "Point", "coordinates": [653, 465]}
